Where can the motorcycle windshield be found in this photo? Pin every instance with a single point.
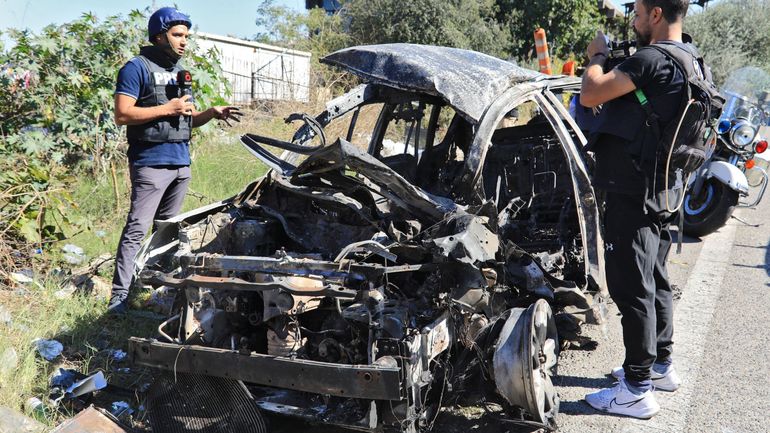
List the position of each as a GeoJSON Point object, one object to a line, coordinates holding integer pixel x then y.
{"type": "Point", "coordinates": [747, 93]}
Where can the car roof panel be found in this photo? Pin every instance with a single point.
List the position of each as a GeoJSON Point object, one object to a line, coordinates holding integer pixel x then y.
{"type": "Point", "coordinates": [467, 80]}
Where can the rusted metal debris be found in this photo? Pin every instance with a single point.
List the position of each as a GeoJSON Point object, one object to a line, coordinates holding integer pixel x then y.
{"type": "Point", "coordinates": [91, 420]}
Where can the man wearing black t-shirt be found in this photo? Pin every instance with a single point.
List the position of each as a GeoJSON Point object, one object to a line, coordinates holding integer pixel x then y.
{"type": "Point", "coordinates": [636, 233]}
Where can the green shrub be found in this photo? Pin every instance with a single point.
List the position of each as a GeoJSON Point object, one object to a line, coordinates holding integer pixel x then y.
{"type": "Point", "coordinates": [731, 35]}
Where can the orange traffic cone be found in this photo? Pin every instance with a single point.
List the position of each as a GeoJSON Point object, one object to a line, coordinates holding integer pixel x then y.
{"type": "Point", "coordinates": [568, 68]}
{"type": "Point", "coordinates": [541, 46]}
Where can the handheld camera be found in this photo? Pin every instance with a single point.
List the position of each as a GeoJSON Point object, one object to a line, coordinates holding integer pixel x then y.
{"type": "Point", "coordinates": [619, 51]}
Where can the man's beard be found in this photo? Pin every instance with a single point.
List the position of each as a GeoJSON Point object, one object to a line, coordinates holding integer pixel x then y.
{"type": "Point", "coordinates": [642, 40]}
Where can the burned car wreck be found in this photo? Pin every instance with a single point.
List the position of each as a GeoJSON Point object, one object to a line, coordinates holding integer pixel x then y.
{"type": "Point", "coordinates": [359, 286]}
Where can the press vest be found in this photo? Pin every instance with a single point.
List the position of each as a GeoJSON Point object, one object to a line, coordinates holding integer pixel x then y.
{"type": "Point", "coordinates": [169, 129]}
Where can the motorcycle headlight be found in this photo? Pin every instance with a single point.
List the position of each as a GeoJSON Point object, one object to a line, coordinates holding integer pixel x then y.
{"type": "Point", "coordinates": [742, 134]}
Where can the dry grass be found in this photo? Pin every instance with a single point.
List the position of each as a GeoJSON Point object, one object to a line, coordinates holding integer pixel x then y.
{"type": "Point", "coordinates": [78, 322]}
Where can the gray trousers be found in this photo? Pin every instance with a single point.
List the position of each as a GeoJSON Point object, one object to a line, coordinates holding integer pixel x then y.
{"type": "Point", "coordinates": [157, 193]}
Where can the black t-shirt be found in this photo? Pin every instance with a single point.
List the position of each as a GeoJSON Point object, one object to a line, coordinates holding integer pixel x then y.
{"type": "Point", "coordinates": [659, 78]}
{"type": "Point", "coordinates": [662, 83]}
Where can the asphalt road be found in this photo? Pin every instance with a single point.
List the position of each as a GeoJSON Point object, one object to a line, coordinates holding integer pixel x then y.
{"type": "Point", "coordinates": [721, 340]}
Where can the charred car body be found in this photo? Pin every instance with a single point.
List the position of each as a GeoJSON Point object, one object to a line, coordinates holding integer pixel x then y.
{"type": "Point", "coordinates": [361, 288]}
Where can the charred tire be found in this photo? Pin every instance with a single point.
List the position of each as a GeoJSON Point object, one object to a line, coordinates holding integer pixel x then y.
{"type": "Point", "coordinates": [709, 211]}
{"type": "Point", "coordinates": [525, 360]}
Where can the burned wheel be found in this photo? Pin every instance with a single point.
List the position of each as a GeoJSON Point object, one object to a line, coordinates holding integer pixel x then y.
{"type": "Point", "coordinates": [525, 360]}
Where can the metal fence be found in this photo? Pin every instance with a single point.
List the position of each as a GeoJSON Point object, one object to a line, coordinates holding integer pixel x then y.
{"type": "Point", "coordinates": [258, 72]}
{"type": "Point", "coordinates": [262, 86]}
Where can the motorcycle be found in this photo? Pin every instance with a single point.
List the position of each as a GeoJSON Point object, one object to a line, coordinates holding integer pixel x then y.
{"type": "Point", "coordinates": [738, 161]}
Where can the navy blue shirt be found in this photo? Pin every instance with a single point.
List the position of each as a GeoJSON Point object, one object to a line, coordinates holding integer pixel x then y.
{"type": "Point", "coordinates": [134, 81]}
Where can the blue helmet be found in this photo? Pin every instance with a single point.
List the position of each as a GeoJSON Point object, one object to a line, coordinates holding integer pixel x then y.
{"type": "Point", "coordinates": [165, 18]}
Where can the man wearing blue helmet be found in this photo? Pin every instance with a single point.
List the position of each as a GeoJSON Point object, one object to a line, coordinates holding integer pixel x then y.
{"type": "Point", "coordinates": [160, 119]}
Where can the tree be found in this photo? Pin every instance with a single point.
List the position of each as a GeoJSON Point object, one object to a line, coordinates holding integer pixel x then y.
{"type": "Point", "coordinates": [732, 34]}
{"type": "Point", "coordinates": [502, 28]}
{"type": "Point", "coordinates": [569, 25]}
{"type": "Point", "coordinates": [314, 31]}
{"type": "Point", "coordinates": [454, 23]}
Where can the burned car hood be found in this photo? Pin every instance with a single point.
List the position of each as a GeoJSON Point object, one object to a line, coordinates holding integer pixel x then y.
{"type": "Point", "coordinates": [467, 80]}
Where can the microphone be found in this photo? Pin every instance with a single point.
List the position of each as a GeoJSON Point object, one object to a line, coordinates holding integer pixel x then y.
{"type": "Point", "coordinates": [184, 82]}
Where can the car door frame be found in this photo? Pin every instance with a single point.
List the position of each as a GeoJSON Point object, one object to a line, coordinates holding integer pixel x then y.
{"type": "Point", "coordinates": [587, 206]}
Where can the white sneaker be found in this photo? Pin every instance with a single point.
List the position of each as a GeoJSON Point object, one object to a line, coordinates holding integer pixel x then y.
{"type": "Point", "coordinates": [668, 381]}
{"type": "Point", "coordinates": [619, 400]}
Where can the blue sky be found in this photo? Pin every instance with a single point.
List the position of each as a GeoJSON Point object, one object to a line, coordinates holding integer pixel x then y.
{"type": "Point", "coordinates": [220, 17]}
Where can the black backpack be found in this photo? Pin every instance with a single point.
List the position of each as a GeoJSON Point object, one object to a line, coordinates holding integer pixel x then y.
{"type": "Point", "coordinates": [685, 137]}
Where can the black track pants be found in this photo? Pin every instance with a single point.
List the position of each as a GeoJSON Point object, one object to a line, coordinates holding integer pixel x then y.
{"type": "Point", "coordinates": [636, 249]}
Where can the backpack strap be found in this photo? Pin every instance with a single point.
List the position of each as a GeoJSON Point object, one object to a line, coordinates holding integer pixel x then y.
{"type": "Point", "coordinates": [644, 102]}
{"type": "Point", "coordinates": [677, 55]}
{"type": "Point", "coordinates": [688, 60]}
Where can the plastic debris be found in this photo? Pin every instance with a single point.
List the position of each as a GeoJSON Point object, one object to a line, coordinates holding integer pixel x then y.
{"type": "Point", "coordinates": [66, 292]}
{"type": "Point", "coordinates": [22, 277]}
{"type": "Point", "coordinates": [35, 406]}
{"type": "Point", "coordinates": [120, 408]}
{"type": "Point", "coordinates": [117, 354]}
{"type": "Point", "coordinates": [5, 316]}
{"type": "Point", "coordinates": [100, 233]}
{"type": "Point", "coordinates": [48, 349]}
{"type": "Point", "coordinates": [73, 259]}
{"type": "Point", "coordinates": [162, 300]}
{"type": "Point", "coordinates": [63, 378]}
{"type": "Point", "coordinates": [8, 360]}
{"type": "Point", "coordinates": [74, 255]}
{"type": "Point", "coordinates": [71, 384]}
{"type": "Point", "coordinates": [124, 370]}
{"type": "Point", "coordinates": [90, 384]}
{"type": "Point", "coordinates": [92, 284]}
{"type": "Point", "coordinates": [73, 249]}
